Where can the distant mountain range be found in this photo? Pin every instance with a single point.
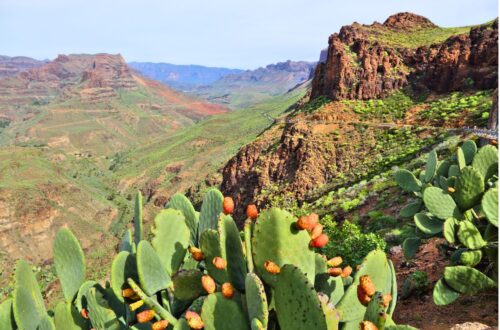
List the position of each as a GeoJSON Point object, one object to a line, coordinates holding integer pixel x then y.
{"type": "Point", "coordinates": [182, 76]}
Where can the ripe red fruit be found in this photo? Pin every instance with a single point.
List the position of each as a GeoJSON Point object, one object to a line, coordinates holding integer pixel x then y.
{"type": "Point", "coordinates": [271, 267]}
{"type": "Point", "coordinates": [252, 212]}
{"type": "Point", "coordinates": [319, 241]}
{"type": "Point", "coordinates": [219, 263]}
{"type": "Point", "coordinates": [227, 290]}
{"type": "Point", "coordinates": [347, 271]}
{"type": "Point", "coordinates": [307, 222]}
{"type": "Point", "coordinates": [317, 230]}
{"type": "Point", "coordinates": [85, 313]}
{"type": "Point", "coordinates": [160, 325]}
{"type": "Point", "coordinates": [228, 205]}
{"type": "Point", "coordinates": [208, 284]}
{"type": "Point", "coordinates": [145, 316]}
{"type": "Point", "coordinates": [196, 253]}
{"type": "Point", "coordinates": [194, 320]}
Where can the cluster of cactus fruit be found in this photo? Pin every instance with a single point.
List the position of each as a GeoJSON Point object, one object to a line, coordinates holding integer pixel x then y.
{"type": "Point", "coordinates": [198, 273]}
{"type": "Point", "coordinates": [457, 198]}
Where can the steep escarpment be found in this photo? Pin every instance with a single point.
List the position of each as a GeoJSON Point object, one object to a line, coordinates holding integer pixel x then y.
{"type": "Point", "coordinates": [371, 61]}
{"type": "Point", "coordinates": [373, 103]}
{"type": "Point", "coordinates": [10, 66]}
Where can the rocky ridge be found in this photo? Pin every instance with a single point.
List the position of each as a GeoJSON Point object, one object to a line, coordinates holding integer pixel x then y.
{"type": "Point", "coordinates": [358, 66]}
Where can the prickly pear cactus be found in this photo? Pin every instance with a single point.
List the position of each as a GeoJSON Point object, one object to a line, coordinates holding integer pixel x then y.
{"type": "Point", "coordinates": [159, 282]}
{"type": "Point", "coordinates": [464, 199]}
{"type": "Point", "coordinates": [276, 239]}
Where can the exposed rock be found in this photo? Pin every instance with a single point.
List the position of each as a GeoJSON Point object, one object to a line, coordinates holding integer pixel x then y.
{"type": "Point", "coordinates": [10, 66]}
{"type": "Point", "coordinates": [471, 326]}
{"type": "Point", "coordinates": [408, 21]}
{"type": "Point", "coordinates": [358, 67]}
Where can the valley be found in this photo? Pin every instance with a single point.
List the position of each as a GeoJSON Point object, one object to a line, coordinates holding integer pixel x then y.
{"type": "Point", "coordinates": [81, 134]}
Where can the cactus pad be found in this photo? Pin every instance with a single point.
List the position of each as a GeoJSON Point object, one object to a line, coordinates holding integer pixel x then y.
{"type": "Point", "coordinates": [374, 265]}
{"type": "Point", "coordinates": [410, 247]}
{"type": "Point", "coordinates": [210, 210]}
{"type": "Point", "coordinates": [256, 299]}
{"type": "Point", "coordinates": [123, 267]}
{"type": "Point", "coordinates": [100, 314]}
{"type": "Point", "coordinates": [69, 262]}
{"type": "Point", "coordinates": [210, 246]}
{"type": "Point", "coordinates": [67, 317]}
{"type": "Point", "coordinates": [181, 203]}
{"type": "Point", "coordinates": [469, 149]}
{"type": "Point", "coordinates": [407, 180]}
{"type": "Point", "coordinates": [440, 204]}
{"type": "Point", "coordinates": [469, 188]}
{"type": "Point", "coordinates": [471, 258]}
{"type": "Point", "coordinates": [489, 204]}
{"type": "Point", "coordinates": [187, 284]}
{"type": "Point", "coordinates": [171, 239]}
{"type": "Point", "coordinates": [430, 169]}
{"type": "Point", "coordinates": [127, 243]}
{"type": "Point", "coordinates": [449, 229]}
{"type": "Point", "coordinates": [469, 235]}
{"type": "Point", "coordinates": [461, 159]}
{"type": "Point", "coordinates": [428, 224]}
{"type": "Point", "coordinates": [7, 315]}
{"type": "Point", "coordinates": [152, 277]}
{"type": "Point", "coordinates": [138, 218]}
{"type": "Point", "coordinates": [296, 302]}
{"type": "Point", "coordinates": [219, 313]}
{"type": "Point", "coordinates": [232, 251]}
{"type": "Point", "coordinates": [486, 161]}
{"type": "Point", "coordinates": [411, 209]}
{"type": "Point", "coordinates": [467, 280]}
{"type": "Point", "coordinates": [276, 239]}
{"type": "Point", "coordinates": [443, 294]}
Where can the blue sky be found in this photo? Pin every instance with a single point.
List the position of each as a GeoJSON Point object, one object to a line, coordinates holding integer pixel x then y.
{"type": "Point", "coordinates": [230, 33]}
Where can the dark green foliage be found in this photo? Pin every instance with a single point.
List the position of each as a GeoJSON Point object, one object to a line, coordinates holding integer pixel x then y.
{"type": "Point", "coordinates": [347, 240]}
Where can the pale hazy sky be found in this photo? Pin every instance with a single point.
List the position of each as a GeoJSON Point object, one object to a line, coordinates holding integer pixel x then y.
{"type": "Point", "coordinates": [229, 33]}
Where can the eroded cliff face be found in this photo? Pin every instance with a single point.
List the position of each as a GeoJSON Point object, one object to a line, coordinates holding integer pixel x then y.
{"type": "Point", "coordinates": [359, 65]}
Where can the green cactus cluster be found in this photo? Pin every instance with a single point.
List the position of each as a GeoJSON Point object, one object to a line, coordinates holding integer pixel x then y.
{"type": "Point", "coordinates": [175, 279]}
{"type": "Point", "coordinates": [457, 198]}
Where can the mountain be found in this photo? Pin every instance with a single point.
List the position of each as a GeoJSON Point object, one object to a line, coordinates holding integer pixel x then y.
{"type": "Point", "coordinates": [10, 66]}
{"type": "Point", "coordinates": [92, 103]}
{"type": "Point", "coordinates": [384, 93]}
{"type": "Point", "coordinates": [372, 61]}
{"type": "Point", "coordinates": [253, 86]}
{"type": "Point", "coordinates": [182, 77]}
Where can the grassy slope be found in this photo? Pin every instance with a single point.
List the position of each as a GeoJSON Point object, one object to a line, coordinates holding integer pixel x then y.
{"type": "Point", "coordinates": [200, 149]}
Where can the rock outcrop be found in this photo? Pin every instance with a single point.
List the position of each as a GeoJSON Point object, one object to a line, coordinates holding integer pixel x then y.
{"type": "Point", "coordinates": [359, 66]}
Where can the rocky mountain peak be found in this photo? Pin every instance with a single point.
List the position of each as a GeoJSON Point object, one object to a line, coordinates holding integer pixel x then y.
{"type": "Point", "coordinates": [408, 20]}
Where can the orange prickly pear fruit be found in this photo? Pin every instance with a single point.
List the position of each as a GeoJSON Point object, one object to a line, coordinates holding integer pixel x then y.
{"type": "Point", "coordinates": [317, 230]}
{"type": "Point", "coordinates": [336, 271]}
{"type": "Point", "coordinates": [128, 293]}
{"type": "Point", "coordinates": [271, 267]}
{"type": "Point", "coordinates": [335, 262]}
{"type": "Point", "coordinates": [366, 284]}
{"type": "Point", "coordinates": [228, 205]}
{"type": "Point", "coordinates": [196, 253]}
{"type": "Point", "coordinates": [363, 298]}
{"type": "Point", "coordinates": [145, 316]}
{"type": "Point", "coordinates": [319, 241]}
{"type": "Point", "coordinates": [136, 305]}
{"type": "Point", "coordinates": [208, 284]}
{"type": "Point", "coordinates": [451, 190]}
{"type": "Point", "coordinates": [307, 222]}
{"type": "Point", "coordinates": [386, 299]}
{"type": "Point", "coordinates": [194, 320]}
{"type": "Point", "coordinates": [252, 212]}
{"type": "Point", "coordinates": [84, 313]}
{"type": "Point", "coordinates": [347, 271]}
{"type": "Point", "coordinates": [227, 290]}
{"type": "Point", "coordinates": [219, 263]}
{"type": "Point", "coordinates": [160, 325]}
{"type": "Point", "coordinates": [367, 325]}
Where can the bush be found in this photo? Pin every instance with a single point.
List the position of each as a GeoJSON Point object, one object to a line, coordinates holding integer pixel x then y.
{"type": "Point", "coordinates": [417, 283]}
{"type": "Point", "coordinates": [347, 240]}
